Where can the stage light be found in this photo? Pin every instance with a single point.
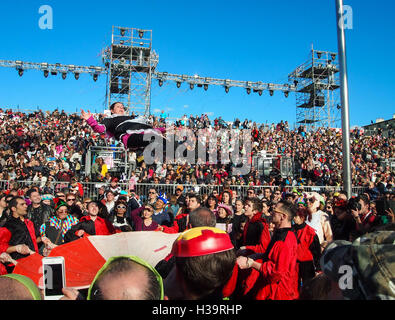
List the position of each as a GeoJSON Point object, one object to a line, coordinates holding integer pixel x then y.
{"type": "Point", "coordinates": [271, 92]}
{"type": "Point", "coordinates": [141, 33]}
{"type": "Point", "coordinates": [338, 106]}
{"type": "Point", "coordinates": [122, 32]}
{"type": "Point", "coordinates": [160, 82]}
{"type": "Point", "coordinates": [178, 84]}
{"type": "Point", "coordinates": [205, 86]}
{"type": "Point", "coordinates": [76, 76]}
{"type": "Point", "coordinates": [20, 72]}
{"type": "Point", "coordinates": [333, 56]}
{"type": "Point", "coordinates": [296, 82]}
{"type": "Point", "coordinates": [54, 73]}
{"type": "Point", "coordinates": [286, 94]}
{"type": "Point", "coordinates": [64, 75]}
{"type": "Point", "coordinates": [248, 90]}
{"type": "Point", "coordinates": [226, 89]}
{"type": "Point", "coordinates": [95, 76]}
{"type": "Point", "coordinates": [319, 53]}
{"type": "Point", "coordinates": [46, 73]}
{"type": "Point", "coordinates": [260, 92]}
{"type": "Point", "coordinates": [191, 86]}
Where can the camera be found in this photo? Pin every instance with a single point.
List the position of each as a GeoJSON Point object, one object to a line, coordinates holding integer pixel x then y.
{"type": "Point", "coordinates": [353, 204]}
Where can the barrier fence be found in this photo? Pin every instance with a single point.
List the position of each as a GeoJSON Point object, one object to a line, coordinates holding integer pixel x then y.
{"type": "Point", "coordinates": [91, 189]}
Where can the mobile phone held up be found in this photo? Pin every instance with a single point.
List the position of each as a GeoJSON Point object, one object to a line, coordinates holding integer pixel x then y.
{"type": "Point", "coordinates": [54, 277]}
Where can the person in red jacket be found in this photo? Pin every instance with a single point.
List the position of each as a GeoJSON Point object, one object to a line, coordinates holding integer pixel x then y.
{"type": "Point", "coordinates": [18, 237]}
{"type": "Point", "coordinates": [309, 249]}
{"type": "Point", "coordinates": [256, 236]}
{"type": "Point", "coordinates": [181, 221]}
{"type": "Point", "coordinates": [274, 276]}
{"type": "Point", "coordinates": [90, 224]}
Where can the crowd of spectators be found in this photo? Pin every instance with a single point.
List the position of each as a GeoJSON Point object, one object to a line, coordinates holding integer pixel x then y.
{"type": "Point", "coordinates": [260, 227]}
{"type": "Point", "coordinates": [45, 147]}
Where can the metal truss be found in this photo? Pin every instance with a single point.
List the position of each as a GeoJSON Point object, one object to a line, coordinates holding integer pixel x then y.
{"type": "Point", "coordinates": [130, 65]}
{"type": "Point", "coordinates": [53, 69]}
{"type": "Point", "coordinates": [205, 82]}
{"type": "Point", "coordinates": [317, 98]}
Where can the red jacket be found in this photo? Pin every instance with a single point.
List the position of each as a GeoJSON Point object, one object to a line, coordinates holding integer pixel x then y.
{"type": "Point", "coordinates": [179, 224]}
{"type": "Point", "coordinates": [102, 226]}
{"type": "Point", "coordinates": [277, 278]}
{"type": "Point", "coordinates": [306, 237]}
{"type": "Point", "coordinates": [252, 226]}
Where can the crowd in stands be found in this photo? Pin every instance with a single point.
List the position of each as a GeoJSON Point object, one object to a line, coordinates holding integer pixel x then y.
{"type": "Point", "coordinates": [269, 244]}
{"type": "Point", "coordinates": [52, 146]}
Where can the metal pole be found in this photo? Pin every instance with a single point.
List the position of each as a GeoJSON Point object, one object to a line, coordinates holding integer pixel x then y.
{"type": "Point", "coordinates": [341, 43]}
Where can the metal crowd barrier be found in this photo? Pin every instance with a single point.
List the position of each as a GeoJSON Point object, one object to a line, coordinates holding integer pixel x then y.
{"type": "Point", "coordinates": [91, 188]}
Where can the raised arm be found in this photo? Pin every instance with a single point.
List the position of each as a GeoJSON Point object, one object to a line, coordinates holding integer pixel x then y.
{"type": "Point", "coordinates": [88, 117]}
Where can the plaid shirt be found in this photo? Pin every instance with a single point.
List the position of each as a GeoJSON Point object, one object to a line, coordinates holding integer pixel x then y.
{"type": "Point", "coordinates": [55, 222]}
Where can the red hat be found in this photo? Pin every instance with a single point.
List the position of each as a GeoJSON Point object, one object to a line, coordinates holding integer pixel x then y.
{"type": "Point", "coordinates": [115, 179]}
{"type": "Point", "coordinates": [201, 241]}
{"type": "Point", "coordinates": [341, 203]}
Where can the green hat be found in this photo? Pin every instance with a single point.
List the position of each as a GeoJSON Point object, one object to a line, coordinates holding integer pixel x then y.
{"type": "Point", "coordinates": [27, 282]}
{"type": "Point", "coordinates": [59, 204]}
{"type": "Point", "coordinates": [132, 258]}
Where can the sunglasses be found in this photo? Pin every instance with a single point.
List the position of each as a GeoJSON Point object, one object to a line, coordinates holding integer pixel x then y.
{"type": "Point", "coordinates": [70, 199]}
{"type": "Point", "coordinates": [121, 207]}
{"type": "Point", "coordinates": [151, 192]}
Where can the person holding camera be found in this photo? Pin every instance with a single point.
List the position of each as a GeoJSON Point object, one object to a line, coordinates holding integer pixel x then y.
{"type": "Point", "coordinates": [363, 216]}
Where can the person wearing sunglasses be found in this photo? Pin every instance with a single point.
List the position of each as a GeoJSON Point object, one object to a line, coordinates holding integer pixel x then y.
{"type": "Point", "coordinates": [118, 217]}
{"type": "Point", "coordinates": [152, 196]}
{"type": "Point", "coordinates": [319, 220]}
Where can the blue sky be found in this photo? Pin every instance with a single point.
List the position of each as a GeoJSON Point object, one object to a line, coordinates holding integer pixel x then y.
{"type": "Point", "coordinates": [254, 40]}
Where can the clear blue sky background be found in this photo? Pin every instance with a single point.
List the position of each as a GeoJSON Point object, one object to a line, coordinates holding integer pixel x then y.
{"type": "Point", "coordinates": [254, 40]}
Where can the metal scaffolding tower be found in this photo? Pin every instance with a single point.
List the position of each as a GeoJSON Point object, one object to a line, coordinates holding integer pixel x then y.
{"type": "Point", "coordinates": [130, 65]}
{"type": "Point", "coordinates": [130, 62]}
{"type": "Point", "coordinates": [317, 97]}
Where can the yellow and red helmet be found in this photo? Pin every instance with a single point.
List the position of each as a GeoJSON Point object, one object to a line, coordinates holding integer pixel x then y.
{"type": "Point", "coordinates": [201, 241]}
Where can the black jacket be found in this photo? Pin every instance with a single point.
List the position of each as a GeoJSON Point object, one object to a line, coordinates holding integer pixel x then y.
{"type": "Point", "coordinates": [19, 235]}
{"type": "Point", "coordinates": [39, 215]}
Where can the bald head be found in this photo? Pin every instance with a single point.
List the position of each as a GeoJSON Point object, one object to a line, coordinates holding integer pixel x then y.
{"type": "Point", "coordinates": [12, 289]}
{"type": "Point", "coordinates": [125, 279]}
{"type": "Point", "coordinates": [202, 217]}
